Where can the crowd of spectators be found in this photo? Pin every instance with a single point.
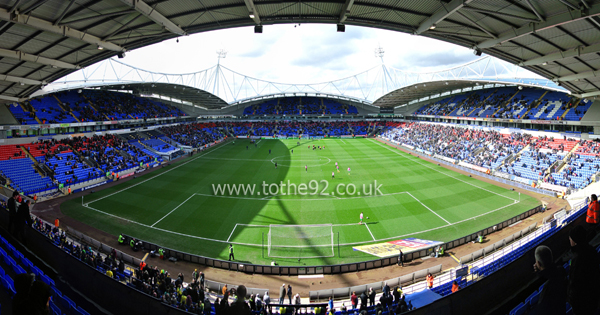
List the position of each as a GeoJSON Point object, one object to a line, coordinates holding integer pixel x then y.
{"type": "Point", "coordinates": [508, 103]}
{"type": "Point", "coordinates": [532, 157]}
{"type": "Point", "coordinates": [300, 106]}
{"type": "Point", "coordinates": [195, 135]}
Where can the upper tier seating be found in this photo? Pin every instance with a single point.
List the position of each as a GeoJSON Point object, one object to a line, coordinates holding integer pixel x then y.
{"type": "Point", "coordinates": [523, 104]}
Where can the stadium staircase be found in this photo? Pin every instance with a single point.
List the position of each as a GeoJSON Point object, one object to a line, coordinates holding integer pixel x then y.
{"type": "Point", "coordinates": [94, 107]}
{"type": "Point", "coordinates": [566, 158]}
{"type": "Point", "coordinates": [537, 103]}
{"type": "Point", "coordinates": [507, 103]}
{"type": "Point", "coordinates": [575, 104]}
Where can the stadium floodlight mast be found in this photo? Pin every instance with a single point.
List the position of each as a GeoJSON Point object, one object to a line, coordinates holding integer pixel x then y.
{"type": "Point", "coordinates": [221, 54]}
{"type": "Point", "coordinates": [379, 52]}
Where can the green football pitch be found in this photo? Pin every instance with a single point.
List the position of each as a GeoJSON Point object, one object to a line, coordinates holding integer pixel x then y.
{"type": "Point", "coordinates": [402, 196]}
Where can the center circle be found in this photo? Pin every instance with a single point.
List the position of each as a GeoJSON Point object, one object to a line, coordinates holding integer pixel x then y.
{"type": "Point", "coordinates": [318, 162]}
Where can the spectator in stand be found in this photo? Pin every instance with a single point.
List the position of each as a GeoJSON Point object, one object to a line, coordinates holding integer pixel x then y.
{"type": "Point", "coordinates": [584, 274]}
{"type": "Point", "coordinates": [12, 212]}
{"type": "Point", "coordinates": [281, 293]}
{"type": "Point", "coordinates": [363, 301]}
{"type": "Point", "coordinates": [23, 220]}
{"type": "Point", "coordinates": [239, 306]}
{"type": "Point", "coordinates": [429, 280]}
{"type": "Point", "coordinates": [32, 298]}
{"type": "Point", "coordinates": [593, 215]}
{"type": "Point", "coordinates": [289, 290]}
{"type": "Point", "coordinates": [267, 301]}
{"type": "Point", "coordinates": [553, 296]}
{"type": "Point", "coordinates": [455, 286]}
{"type": "Point", "coordinates": [371, 297]}
{"type": "Point", "coordinates": [354, 300]}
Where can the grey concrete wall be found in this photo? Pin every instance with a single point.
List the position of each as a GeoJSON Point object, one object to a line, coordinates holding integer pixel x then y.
{"type": "Point", "coordinates": [6, 117]}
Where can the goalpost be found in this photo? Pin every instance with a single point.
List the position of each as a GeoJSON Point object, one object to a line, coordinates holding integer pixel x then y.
{"type": "Point", "coordinates": [300, 241]}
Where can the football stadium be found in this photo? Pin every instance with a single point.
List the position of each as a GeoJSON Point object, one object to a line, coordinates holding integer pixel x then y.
{"type": "Point", "coordinates": [469, 187]}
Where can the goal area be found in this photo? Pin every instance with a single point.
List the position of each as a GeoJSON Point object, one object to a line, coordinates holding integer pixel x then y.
{"type": "Point", "coordinates": [300, 241]}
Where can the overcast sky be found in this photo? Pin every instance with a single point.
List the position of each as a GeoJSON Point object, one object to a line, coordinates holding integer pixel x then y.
{"type": "Point", "coordinates": [307, 53]}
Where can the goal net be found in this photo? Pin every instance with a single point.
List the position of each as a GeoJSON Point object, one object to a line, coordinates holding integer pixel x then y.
{"type": "Point", "coordinates": [300, 241]}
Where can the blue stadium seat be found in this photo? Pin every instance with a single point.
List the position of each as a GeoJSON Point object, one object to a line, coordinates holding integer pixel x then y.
{"type": "Point", "coordinates": [518, 310]}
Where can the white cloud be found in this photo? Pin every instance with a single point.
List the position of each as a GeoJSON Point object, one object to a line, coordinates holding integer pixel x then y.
{"type": "Point", "coordinates": [309, 53]}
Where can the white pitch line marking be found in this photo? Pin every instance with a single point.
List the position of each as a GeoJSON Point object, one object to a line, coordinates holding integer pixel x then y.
{"type": "Point", "coordinates": [181, 204]}
{"type": "Point", "coordinates": [153, 177]}
{"type": "Point", "coordinates": [428, 166]}
{"type": "Point", "coordinates": [370, 232]}
{"type": "Point", "coordinates": [232, 232]}
{"type": "Point", "coordinates": [419, 201]}
{"type": "Point", "coordinates": [257, 245]}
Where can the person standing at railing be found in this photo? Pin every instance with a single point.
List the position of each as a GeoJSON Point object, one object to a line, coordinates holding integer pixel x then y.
{"type": "Point", "coordinates": [429, 280]}
{"type": "Point", "coordinates": [593, 216]}
{"type": "Point", "coordinates": [553, 296]}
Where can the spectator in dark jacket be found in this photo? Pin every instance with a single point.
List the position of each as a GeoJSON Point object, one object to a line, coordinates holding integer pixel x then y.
{"type": "Point", "coordinates": [584, 274]}
{"type": "Point", "coordinates": [363, 301]}
{"type": "Point", "coordinates": [553, 296]}
{"type": "Point", "coordinates": [12, 212]}
{"type": "Point", "coordinates": [23, 219]}
{"type": "Point", "coordinates": [371, 297]}
{"type": "Point", "coordinates": [240, 306]}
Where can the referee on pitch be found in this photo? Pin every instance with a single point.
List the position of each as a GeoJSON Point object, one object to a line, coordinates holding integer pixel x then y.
{"type": "Point", "coordinates": [231, 257]}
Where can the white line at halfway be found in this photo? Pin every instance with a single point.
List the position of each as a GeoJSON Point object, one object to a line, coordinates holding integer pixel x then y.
{"type": "Point", "coordinates": [370, 231]}
{"type": "Point", "coordinates": [153, 177]}
{"type": "Point", "coordinates": [232, 232]}
{"type": "Point", "coordinates": [458, 179]}
{"type": "Point", "coordinates": [181, 204]}
{"type": "Point", "coordinates": [422, 204]}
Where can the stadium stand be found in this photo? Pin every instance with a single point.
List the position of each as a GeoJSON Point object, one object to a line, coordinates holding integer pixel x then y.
{"type": "Point", "coordinates": [536, 159]}
{"type": "Point", "coordinates": [90, 105]}
{"type": "Point", "coordinates": [510, 102]}
{"type": "Point", "coordinates": [300, 106]}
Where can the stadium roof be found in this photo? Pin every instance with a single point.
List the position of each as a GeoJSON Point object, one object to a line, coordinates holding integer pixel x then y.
{"type": "Point", "coordinates": [416, 92]}
{"type": "Point", "coordinates": [177, 93]}
{"type": "Point", "coordinates": [43, 40]}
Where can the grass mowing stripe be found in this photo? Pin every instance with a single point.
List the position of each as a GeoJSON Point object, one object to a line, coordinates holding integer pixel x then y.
{"type": "Point", "coordinates": [153, 177]}
{"type": "Point", "coordinates": [419, 201]}
{"type": "Point", "coordinates": [367, 226]}
{"type": "Point", "coordinates": [242, 220]}
{"type": "Point", "coordinates": [416, 161]}
{"type": "Point", "coordinates": [181, 204]}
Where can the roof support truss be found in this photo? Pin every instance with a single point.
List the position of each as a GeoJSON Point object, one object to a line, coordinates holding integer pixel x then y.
{"type": "Point", "coordinates": [61, 30]}
{"type": "Point", "coordinates": [252, 12]}
{"type": "Point", "coordinates": [579, 76]}
{"type": "Point", "coordinates": [10, 78]}
{"type": "Point", "coordinates": [154, 15]}
{"type": "Point", "coordinates": [441, 14]}
{"type": "Point", "coordinates": [581, 50]}
{"type": "Point", "coordinates": [551, 22]}
{"type": "Point", "coordinates": [10, 98]}
{"type": "Point", "coordinates": [19, 55]}
{"type": "Point", "coordinates": [345, 10]}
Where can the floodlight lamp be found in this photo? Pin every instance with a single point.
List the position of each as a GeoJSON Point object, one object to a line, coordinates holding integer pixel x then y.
{"type": "Point", "coordinates": [520, 87]}
{"type": "Point", "coordinates": [100, 47]}
{"type": "Point", "coordinates": [544, 63]}
{"type": "Point", "coordinates": [446, 83]}
{"type": "Point", "coordinates": [22, 83]}
{"type": "Point", "coordinates": [251, 15]}
{"type": "Point", "coordinates": [432, 27]}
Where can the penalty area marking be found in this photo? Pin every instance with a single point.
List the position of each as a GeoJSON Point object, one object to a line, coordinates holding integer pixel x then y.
{"type": "Point", "coordinates": [232, 232]}
{"type": "Point", "coordinates": [259, 245]}
{"type": "Point", "coordinates": [366, 225]}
